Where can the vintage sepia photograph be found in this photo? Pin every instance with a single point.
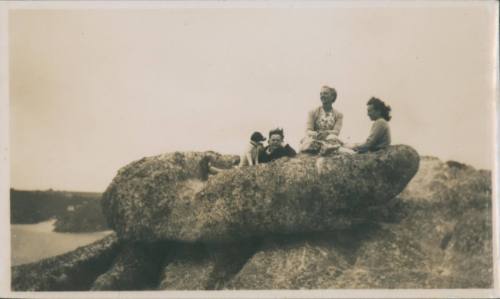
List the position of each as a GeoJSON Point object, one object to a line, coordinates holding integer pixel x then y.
{"type": "Point", "coordinates": [236, 146]}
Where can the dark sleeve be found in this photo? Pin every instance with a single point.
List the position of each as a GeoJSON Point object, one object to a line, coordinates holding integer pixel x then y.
{"type": "Point", "coordinates": [290, 152]}
{"type": "Point", "coordinates": [263, 156]}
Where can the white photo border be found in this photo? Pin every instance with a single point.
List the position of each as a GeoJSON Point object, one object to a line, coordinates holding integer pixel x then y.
{"type": "Point", "coordinates": [5, 279]}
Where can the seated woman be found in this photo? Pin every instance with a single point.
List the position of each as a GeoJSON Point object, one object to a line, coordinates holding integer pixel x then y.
{"type": "Point", "coordinates": [275, 148]}
{"type": "Point", "coordinates": [323, 125]}
{"type": "Point", "coordinates": [380, 134]}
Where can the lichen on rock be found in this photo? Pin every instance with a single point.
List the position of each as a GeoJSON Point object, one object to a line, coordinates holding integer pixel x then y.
{"type": "Point", "coordinates": [202, 266]}
{"type": "Point", "coordinates": [136, 267]}
{"type": "Point", "coordinates": [442, 240]}
{"type": "Point", "coordinates": [303, 223]}
{"type": "Point", "coordinates": [169, 197]}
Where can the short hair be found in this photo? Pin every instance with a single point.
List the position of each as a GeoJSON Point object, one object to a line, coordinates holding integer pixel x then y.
{"type": "Point", "coordinates": [277, 131]}
{"type": "Point", "coordinates": [378, 104]}
{"type": "Point", "coordinates": [332, 91]}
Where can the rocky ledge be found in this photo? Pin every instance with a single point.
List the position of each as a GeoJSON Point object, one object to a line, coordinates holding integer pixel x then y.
{"type": "Point", "coordinates": [170, 197]}
{"type": "Point", "coordinates": [302, 223]}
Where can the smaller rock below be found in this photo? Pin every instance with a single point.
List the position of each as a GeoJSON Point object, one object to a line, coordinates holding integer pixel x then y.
{"type": "Point", "coordinates": [72, 271]}
{"type": "Point", "coordinates": [291, 265]}
{"type": "Point", "coordinates": [202, 266]}
{"type": "Point", "coordinates": [135, 268]}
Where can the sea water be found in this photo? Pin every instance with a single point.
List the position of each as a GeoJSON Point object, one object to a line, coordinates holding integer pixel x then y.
{"type": "Point", "coordinates": [33, 242]}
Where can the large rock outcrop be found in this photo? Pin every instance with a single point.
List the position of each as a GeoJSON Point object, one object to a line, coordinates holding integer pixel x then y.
{"type": "Point", "coordinates": [441, 239]}
{"type": "Point", "coordinates": [434, 234]}
{"type": "Point", "coordinates": [171, 197]}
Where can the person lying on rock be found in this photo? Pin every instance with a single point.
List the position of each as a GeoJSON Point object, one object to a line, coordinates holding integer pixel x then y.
{"type": "Point", "coordinates": [380, 134]}
{"type": "Point", "coordinates": [275, 148]}
{"type": "Point", "coordinates": [323, 126]}
{"type": "Point", "coordinates": [273, 151]}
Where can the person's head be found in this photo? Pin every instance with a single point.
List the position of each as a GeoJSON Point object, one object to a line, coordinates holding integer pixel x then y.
{"type": "Point", "coordinates": [257, 137]}
{"type": "Point", "coordinates": [378, 109]}
{"type": "Point", "coordinates": [328, 95]}
{"type": "Point", "coordinates": [276, 138]}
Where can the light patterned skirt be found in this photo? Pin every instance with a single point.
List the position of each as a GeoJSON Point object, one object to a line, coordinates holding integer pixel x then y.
{"type": "Point", "coordinates": [314, 145]}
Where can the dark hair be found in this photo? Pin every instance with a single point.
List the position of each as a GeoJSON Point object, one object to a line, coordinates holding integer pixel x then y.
{"type": "Point", "coordinates": [332, 91]}
{"type": "Point", "coordinates": [385, 110]}
{"type": "Point", "coordinates": [257, 137]}
{"type": "Point", "coordinates": [278, 131]}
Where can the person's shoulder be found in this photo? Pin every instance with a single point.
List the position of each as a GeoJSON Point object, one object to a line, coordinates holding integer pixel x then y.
{"type": "Point", "coordinates": [381, 122]}
{"type": "Point", "coordinates": [315, 111]}
{"type": "Point", "coordinates": [263, 155]}
{"type": "Point", "coordinates": [338, 113]}
{"type": "Point", "coordinates": [289, 149]}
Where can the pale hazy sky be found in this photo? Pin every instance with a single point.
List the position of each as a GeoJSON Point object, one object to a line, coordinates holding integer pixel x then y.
{"type": "Point", "coordinates": [92, 90]}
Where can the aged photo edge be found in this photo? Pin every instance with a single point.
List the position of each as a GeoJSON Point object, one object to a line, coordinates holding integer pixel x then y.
{"type": "Point", "coordinates": [376, 293]}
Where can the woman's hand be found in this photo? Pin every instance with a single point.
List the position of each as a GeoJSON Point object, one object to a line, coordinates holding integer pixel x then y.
{"type": "Point", "coordinates": [322, 135]}
{"type": "Point", "coordinates": [334, 138]}
{"type": "Point", "coordinates": [312, 134]}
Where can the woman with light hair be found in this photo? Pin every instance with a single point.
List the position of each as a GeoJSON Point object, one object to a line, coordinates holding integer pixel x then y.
{"type": "Point", "coordinates": [323, 125]}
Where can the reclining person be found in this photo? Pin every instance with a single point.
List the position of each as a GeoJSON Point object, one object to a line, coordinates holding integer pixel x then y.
{"type": "Point", "coordinates": [275, 148]}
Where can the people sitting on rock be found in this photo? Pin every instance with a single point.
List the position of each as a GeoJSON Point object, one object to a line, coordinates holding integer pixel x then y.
{"type": "Point", "coordinates": [323, 125]}
{"type": "Point", "coordinates": [251, 155]}
{"type": "Point", "coordinates": [276, 148]}
{"type": "Point", "coordinates": [380, 134]}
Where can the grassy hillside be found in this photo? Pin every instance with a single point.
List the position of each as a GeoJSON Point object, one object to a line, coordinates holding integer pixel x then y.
{"type": "Point", "coordinates": [75, 211]}
{"type": "Point", "coordinates": [87, 217]}
{"type": "Point", "coordinates": [35, 206]}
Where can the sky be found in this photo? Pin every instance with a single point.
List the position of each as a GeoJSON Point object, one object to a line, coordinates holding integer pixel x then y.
{"type": "Point", "coordinates": [93, 90]}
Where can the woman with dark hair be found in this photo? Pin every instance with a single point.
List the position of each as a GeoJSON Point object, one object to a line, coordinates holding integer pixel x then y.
{"type": "Point", "coordinates": [323, 125]}
{"type": "Point", "coordinates": [380, 134]}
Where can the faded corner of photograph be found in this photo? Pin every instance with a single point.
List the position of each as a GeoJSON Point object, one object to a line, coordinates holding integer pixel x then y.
{"type": "Point", "coordinates": [277, 148]}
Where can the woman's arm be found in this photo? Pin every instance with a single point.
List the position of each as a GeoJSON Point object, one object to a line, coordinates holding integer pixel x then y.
{"type": "Point", "coordinates": [376, 132]}
{"type": "Point", "coordinates": [290, 152]}
{"type": "Point", "coordinates": [311, 119]}
{"type": "Point", "coordinates": [338, 124]}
